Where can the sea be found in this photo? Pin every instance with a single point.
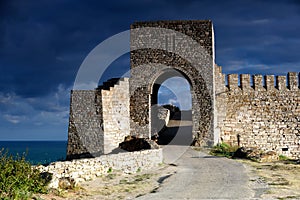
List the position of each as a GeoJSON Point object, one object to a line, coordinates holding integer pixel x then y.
{"type": "Point", "coordinates": [36, 152]}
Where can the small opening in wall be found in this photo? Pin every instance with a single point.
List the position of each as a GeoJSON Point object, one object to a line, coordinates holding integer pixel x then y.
{"type": "Point", "coordinates": [226, 81]}
{"type": "Point", "coordinates": [275, 83]}
{"type": "Point", "coordinates": [239, 81]}
{"type": "Point", "coordinates": [299, 80]}
{"type": "Point", "coordinates": [285, 149]}
{"type": "Point", "coordinates": [251, 82]}
{"type": "Point", "coordinates": [264, 81]}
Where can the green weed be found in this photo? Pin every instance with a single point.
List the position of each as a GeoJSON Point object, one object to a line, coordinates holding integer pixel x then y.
{"type": "Point", "coordinates": [109, 170]}
{"type": "Point", "coordinates": [18, 180]}
{"type": "Point", "coordinates": [283, 158]}
{"type": "Point", "coordinates": [224, 149]}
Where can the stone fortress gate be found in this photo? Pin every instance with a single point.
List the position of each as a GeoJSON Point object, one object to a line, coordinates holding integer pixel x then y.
{"type": "Point", "coordinates": [257, 111]}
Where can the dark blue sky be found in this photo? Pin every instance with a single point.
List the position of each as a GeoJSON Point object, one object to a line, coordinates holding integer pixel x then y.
{"type": "Point", "coordinates": [42, 44]}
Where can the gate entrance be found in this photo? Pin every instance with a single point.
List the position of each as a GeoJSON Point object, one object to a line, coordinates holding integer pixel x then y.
{"type": "Point", "coordinates": [171, 114]}
{"type": "Point", "coordinates": [100, 119]}
{"type": "Point", "coordinates": [164, 49]}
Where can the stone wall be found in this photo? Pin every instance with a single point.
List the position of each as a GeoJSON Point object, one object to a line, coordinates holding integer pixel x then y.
{"type": "Point", "coordinates": [164, 114]}
{"type": "Point", "coordinates": [99, 119]}
{"type": "Point", "coordinates": [160, 117]}
{"type": "Point", "coordinates": [81, 170]}
{"type": "Point", "coordinates": [164, 49]}
{"type": "Point", "coordinates": [263, 114]}
{"type": "Point", "coordinates": [85, 135]}
{"type": "Point", "coordinates": [115, 105]}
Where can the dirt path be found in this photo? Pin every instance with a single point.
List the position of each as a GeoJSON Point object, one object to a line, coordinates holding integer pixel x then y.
{"type": "Point", "coordinates": [276, 180]}
{"type": "Point", "coordinates": [200, 176]}
{"type": "Point", "coordinates": [115, 185]}
{"type": "Point", "coordinates": [196, 176]}
{"type": "Point", "coordinates": [191, 174]}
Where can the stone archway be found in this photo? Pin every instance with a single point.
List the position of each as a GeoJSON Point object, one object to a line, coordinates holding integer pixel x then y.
{"type": "Point", "coordinates": [171, 125]}
{"type": "Point", "coordinates": [190, 53]}
{"type": "Point", "coordinates": [101, 118]}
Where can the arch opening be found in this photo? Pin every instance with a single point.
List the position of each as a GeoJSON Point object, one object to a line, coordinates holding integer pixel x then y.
{"type": "Point", "coordinates": [171, 109]}
{"type": "Point", "coordinates": [149, 72]}
{"type": "Point", "coordinates": [176, 92]}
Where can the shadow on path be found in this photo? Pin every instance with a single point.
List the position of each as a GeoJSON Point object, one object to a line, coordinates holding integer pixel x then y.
{"type": "Point", "coordinates": [178, 131]}
{"type": "Point", "coordinates": [200, 176]}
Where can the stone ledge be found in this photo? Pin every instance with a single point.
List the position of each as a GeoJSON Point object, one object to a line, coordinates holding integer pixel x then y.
{"type": "Point", "coordinates": [77, 171]}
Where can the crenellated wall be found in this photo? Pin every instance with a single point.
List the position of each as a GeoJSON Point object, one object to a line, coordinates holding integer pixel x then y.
{"type": "Point", "coordinates": [259, 111]}
{"type": "Point", "coordinates": [246, 110]}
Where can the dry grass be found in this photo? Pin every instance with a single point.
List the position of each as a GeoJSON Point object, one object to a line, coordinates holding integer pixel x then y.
{"type": "Point", "coordinates": [121, 186]}
{"type": "Point", "coordinates": [282, 179]}
{"type": "Point", "coordinates": [276, 180]}
{"type": "Point", "coordinates": [115, 185]}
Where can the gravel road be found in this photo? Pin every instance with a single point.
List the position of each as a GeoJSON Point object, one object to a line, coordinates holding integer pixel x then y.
{"type": "Point", "coordinates": [200, 176]}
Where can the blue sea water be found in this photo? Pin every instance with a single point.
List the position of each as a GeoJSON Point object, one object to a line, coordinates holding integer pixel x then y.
{"type": "Point", "coordinates": [37, 152]}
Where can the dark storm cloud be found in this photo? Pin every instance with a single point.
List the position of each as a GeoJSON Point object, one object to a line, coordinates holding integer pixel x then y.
{"type": "Point", "coordinates": [42, 44]}
{"type": "Point", "coordinates": [51, 38]}
{"type": "Point", "coordinates": [259, 37]}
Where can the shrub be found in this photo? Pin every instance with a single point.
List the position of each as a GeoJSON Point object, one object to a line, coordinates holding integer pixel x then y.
{"type": "Point", "coordinates": [224, 149]}
{"type": "Point", "coordinates": [18, 180]}
{"type": "Point", "coordinates": [283, 158]}
{"type": "Point", "coordinates": [109, 170]}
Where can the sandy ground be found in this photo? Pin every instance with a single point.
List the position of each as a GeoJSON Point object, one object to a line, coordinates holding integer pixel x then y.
{"type": "Point", "coordinates": [277, 180]}
{"type": "Point", "coordinates": [116, 185]}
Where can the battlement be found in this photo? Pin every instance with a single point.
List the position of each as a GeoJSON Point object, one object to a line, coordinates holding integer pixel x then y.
{"type": "Point", "coordinates": [259, 111]}
{"type": "Point", "coordinates": [258, 82]}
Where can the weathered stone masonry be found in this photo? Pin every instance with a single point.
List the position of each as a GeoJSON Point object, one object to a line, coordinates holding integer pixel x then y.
{"type": "Point", "coordinates": [99, 119]}
{"type": "Point", "coordinates": [172, 54]}
{"type": "Point", "coordinates": [85, 137]}
{"type": "Point", "coordinates": [263, 113]}
{"type": "Point", "coordinates": [260, 115]}
{"type": "Point", "coordinates": [81, 170]}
